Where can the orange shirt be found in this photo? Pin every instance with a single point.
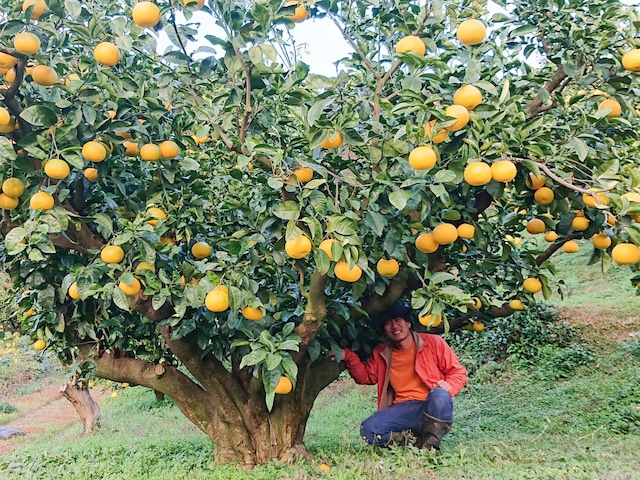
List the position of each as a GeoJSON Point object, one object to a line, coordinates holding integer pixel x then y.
{"type": "Point", "coordinates": [403, 377]}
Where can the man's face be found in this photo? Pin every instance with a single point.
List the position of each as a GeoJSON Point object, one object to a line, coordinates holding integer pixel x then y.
{"type": "Point", "coordinates": [397, 329]}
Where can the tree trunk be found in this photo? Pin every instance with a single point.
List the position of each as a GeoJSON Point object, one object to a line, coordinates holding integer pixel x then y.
{"type": "Point", "coordinates": [84, 404]}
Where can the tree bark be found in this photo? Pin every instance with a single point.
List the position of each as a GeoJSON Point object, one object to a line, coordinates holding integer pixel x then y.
{"type": "Point", "coordinates": [81, 399]}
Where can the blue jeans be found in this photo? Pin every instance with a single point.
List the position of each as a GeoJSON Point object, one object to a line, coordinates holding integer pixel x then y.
{"type": "Point", "coordinates": [404, 416]}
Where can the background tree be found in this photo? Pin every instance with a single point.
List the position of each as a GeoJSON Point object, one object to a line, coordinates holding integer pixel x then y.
{"type": "Point", "coordinates": [209, 220]}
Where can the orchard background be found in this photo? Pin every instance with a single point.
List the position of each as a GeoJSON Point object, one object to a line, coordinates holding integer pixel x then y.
{"type": "Point", "coordinates": [209, 222]}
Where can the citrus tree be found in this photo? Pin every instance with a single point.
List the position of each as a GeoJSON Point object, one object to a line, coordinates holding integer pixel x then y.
{"type": "Point", "coordinates": [187, 208]}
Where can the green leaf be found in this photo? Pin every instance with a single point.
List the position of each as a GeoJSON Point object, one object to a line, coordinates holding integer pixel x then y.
{"type": "Point", "coordinates": [315, 112]}
{"type": "Point", "coordinates": [73, 8]}
{"type": "Point", "coordinates": [39, 116]}
{"type": "Point", "coordinates": [399, 198]}
{"type": "Point", "coordinates": [272, 361]}
{"type": "Point", "coordinates": [7, 152]}
{"type": "Point", "coordinates": [289, 210]}
{"type": "Point", "coordinates": [253, 358]}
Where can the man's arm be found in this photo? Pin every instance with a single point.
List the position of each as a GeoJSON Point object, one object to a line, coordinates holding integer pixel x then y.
{"type": "Point", "coordinates": [364, 373]}
{"type": "Point", "coordinates": [455, 375]}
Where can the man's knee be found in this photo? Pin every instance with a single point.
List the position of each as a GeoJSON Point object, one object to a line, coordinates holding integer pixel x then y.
{"type": "Point", "coordinates": [366, 431]}
{"type": "Point", "coordinates": [439, 404]}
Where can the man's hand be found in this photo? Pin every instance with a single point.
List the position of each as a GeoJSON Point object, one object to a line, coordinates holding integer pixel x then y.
{"type": "Point", "coordinates": [443, 384]}
{"type": "Point", "coordinates": [332, 355]}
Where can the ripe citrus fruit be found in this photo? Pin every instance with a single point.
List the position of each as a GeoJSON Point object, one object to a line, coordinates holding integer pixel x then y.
{"type": "Point", "coordinates": [532, 285]}
{"type": "Point", "coordinates": [631, 60]}
{"type": "Point", "coordinates": [39, 345]}
{"type": "Point", "coordinates": [430, 320]}
{"type": "Point", "coordinates": [94, 151]}
{"type": "Point", "coordinates": [130, 289]}
{"type": "Point", "coordinates": [146, 14]}
{"type": "Point", "coordinates": [303, 174]}
{"type": "Point", "coordinates": [437, 134]}
{"type": "Point", "coordinates": [190, 3]}
{"type": "Point", "coordinates": [44, 75]}
{"type": "Point", "coordinates": [466, 230]}
{"type": "Point", "coordinates": [601, 241]}
{"type": "Point", "coordinates": [535, 182]}
{"type": "Point", "coordinates": [131, 149]}
{"type": "Point", "coordinates": [580, 223]}
{"type": "Point", "coordinates": [516, 304]}
{"type": "Point", "coordinates": [478, 174]}
{"type": "Point", "coordinates": [106, 54]}
{"type": "Point", "coordinates": [468, 96]}
{"type": "Point", "coordinates": [422, 158]}
{"type": "Point", "coordinates": [41, 200]}
{"type": "Point", "coordinates": [112, 254]}
{"type": "Point", "coordinates": [477, 326]}
{"type": "Point", "coordinates": [26, 43]}
{"type": "Point", "coordinates": [169, 149]}
{"type": "Point", "coordinates": [57, 168]}
{"type": "Point", "coordinates": [535, 225]}
{"type": "Point", "coordinates": [571, 246]}
{"type": "Point", "coordinates": [445, 233]}
{"type": "Point", "coordinates": [7, 202]}
{"type": "Point", "coordinates": [156, 214]}
{"type": "Point", "coordinates": [150, 152]}
{"type": "Point", "coordinates": [5, 117]}
{"type": "Point", "coordinates": [388, 268]}
{"type": "Point", "coordinates": [39, 6]}
{"type": "Point", "coordinates": [411, 43]}
{"type": "Point", "coordinates": [251, 313]}
{"type": "Point", "coordinates": [471, 32]}
{"type": "Point", "coordinates": [145, 266]}
{"type": "Point", "coordinates": [477, 303]}
{"type": "Point", "coordinates": [298, 247]}
{"type": "Point", "coordinates": [284, 386]}
{"type": "Point", "coordinates": [426, 244]}
{"type": "Point", "coordinates": [344, 273]}
{"type": "Point", "coordinates": [460, 113]}
{"type": "Point", "coordinates": [73, 291]}
{"type": "Point", "coordinates": [201, 250]}
{"type": "Point", "coordinates": [551, 236]}
{"type": "Point", "coordinates": [626, 254]}
{"type": "Point", "coordinates": [543, 196]}
{"type": "Point", "coordinates": [7, 61]}
{"type": "Point", "coordinates": [217, 300]}
{"type": "Point", "coordinates": [613, 105]}
{"type": "Point", "coordinates": [91, 174]}
{"type": "Point", "coordinates": [333, 140]}
{"type": "Point", "coordinates": [503, 171]}
{"type": "Point", "coordinates": [13, 187]}
{"type": "Point", "coordinates": [300, 14]}
{"type": "Point", "coordinates": [590, 201]}
{"type": "Point", "coordinates": [325, 246]}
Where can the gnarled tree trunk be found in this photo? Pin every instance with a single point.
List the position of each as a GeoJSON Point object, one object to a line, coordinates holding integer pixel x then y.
{"type": "Point", "coordinates": [81, 399]}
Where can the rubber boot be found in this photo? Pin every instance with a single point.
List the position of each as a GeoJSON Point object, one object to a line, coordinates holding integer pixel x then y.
{"type": "Point", "coordinates": [433, 429]}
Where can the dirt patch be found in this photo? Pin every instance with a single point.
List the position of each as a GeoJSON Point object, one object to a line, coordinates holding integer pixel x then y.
{"type": "Point", "coordinates": [601, 326]}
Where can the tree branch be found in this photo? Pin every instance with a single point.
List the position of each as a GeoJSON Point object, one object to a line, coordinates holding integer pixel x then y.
{"type": "Point", "coordinates": [535, 106]}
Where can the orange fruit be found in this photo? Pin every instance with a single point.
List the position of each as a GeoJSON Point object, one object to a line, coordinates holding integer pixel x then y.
{"type": "Point", "coordinates": [201, 250]}
{"type": "Point", "coordinates": [430, 320]}
{"type": "Point", "coordinates": [39, 6]}
{"type": "Point", "coordinates": [477, 326]}
{"type": "Point", "coordinates": [169, 149]}
{"type": "Point", "coordinates": [191, 3]}
{"type": "Point", "coordinates": [388, 268]}
{"type": "Point", "coordinates": [601, 241]}
{"type": "Point", "coordinates": [346, 274]}
{"type": "Point", "coordinates": [150, 152]}
{"type": "Point", "coordinates": [7, 61]}
{"type": "Point", "coordinates": [532, 285]}
{"type": "Point", "coordinates": [41, 200]}
{"type": "Point", "coordinates": [534, 182]}
{"type": "Point", "coordinates": [426, 244]}
{"type": "Point", "coordinates": [471, 32]}
{"type": "Point", "coordinates": [44, 75]}
{"type": "Point", "coordinates": [325, 246]}
{"type": "Point", "coordinates": [156, 214]}
{"type": "Point", "coordinates": [106, 54]}
{"type": "Point", "coordinates": [466, 230]}
{"type": "Point", "coordinates": [460, 113]}
{"type": "Point", "coordinates": [631, 60]}
{"type": "Point", "coordinates": [535, 225]}
{"type": "Point", "coordinates": [39, 345]}
{"type": "Point", "coordinates": [590, 201]}
{"type": "Point", "coordinates": [10, 76]}
{"type": "Point", "coordinates": [7, 202]}
{"type": "Point", "coordinates": [5, 117]}
{"type": "Point", "coordinates": [323, 467]}
{"type": "Point", "coordinates": [298, 247]}
{"type": "Point", "coordinates": [626, 254]}
{"type": "Point", "coordinates": [91, 174]}
{"type": "Point", "coordinates": [130, 289]}
{"type": "Point", "coordinates": [436, 135]}
{"type": "Point", "coordinates": [284, 386]}
{"type": "Point", "coordinates": [146, 14]}
{"type": "Point", "coordinates": [57, 168]}
{"type": "Point", "coordinates": [477, 174]}
{"type": "Point", "coordinates": [551, 236]}
{"type": "Point", "coordinates": [477, 303]}
{"type": "Point", "coordinates": [73, 291]}
{"type": "Point", "coordinates": [93, 151]}
{"type": "Point", "coordinates": [217, 300]}
{"type": "Point", "coordinates": [112, 254]}
{"type": "Point", "coordinates": [503, 171]}
{"type": "Point", "coordinates": [145, 266]}
{"type": "Point", "coordinates": [543, 196]}
{"type": "Point", "coordinates": [580, 223]}
{"type": "Point", "coordinates": [251, 313]}
{"type": "Point", "coordinates": [516, 304]}
{"type": "Point", "coordinates": [13, 187]}
{"type": "Point", "coordinates": [411, 43]}
{"type": "Point", "coordinates": [468, 96]}
{"type": "Point", "coordinates": [613, 105]}
{"type": "Point", "coordinates": [332, 141]}
{"type": "Point", "coordinates": [303, 174]}
{"type": "Point", "coordinates": [445, 233]}
{"type": "Point", "coordinates": [300, 14]}
{"type": "Point", "coordinates": [26, 43]}
{"type": "Point", "coordinates": [571, 246]}
{"type": "Point", "coordinates": [131, 149]}
{"type": "Point", "coordinates": [422, 158]}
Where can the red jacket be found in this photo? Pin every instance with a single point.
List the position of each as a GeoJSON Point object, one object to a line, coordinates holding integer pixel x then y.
{"type": "Point", "coordinates": [434, 361]}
